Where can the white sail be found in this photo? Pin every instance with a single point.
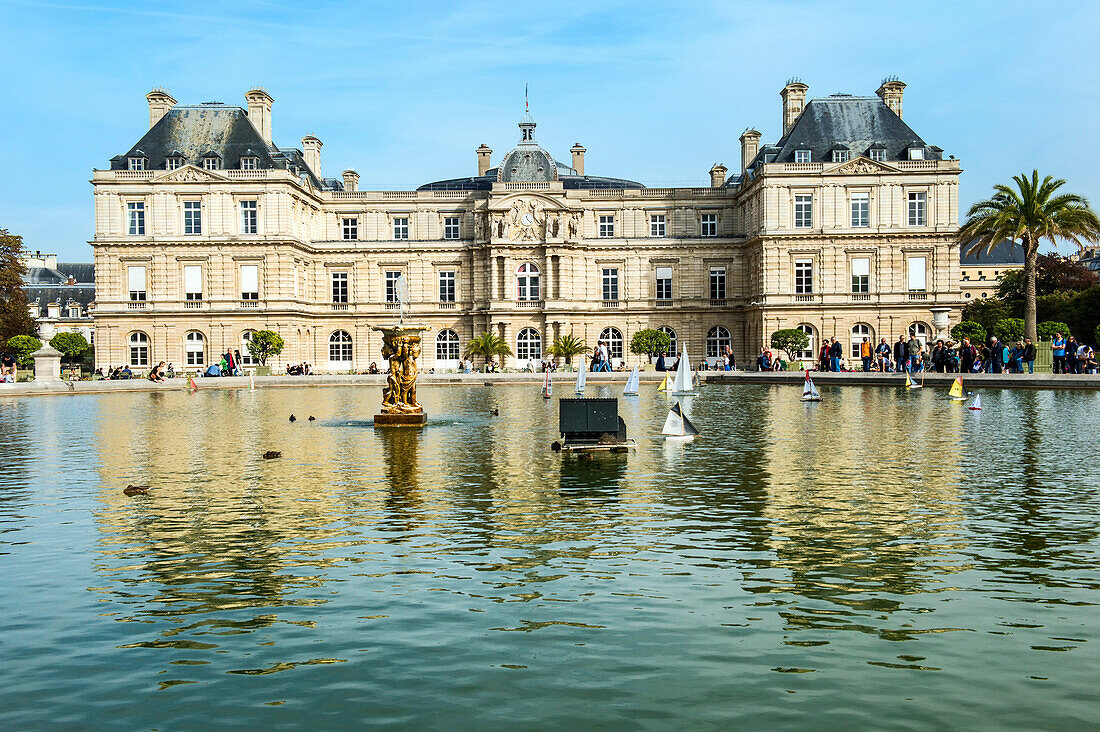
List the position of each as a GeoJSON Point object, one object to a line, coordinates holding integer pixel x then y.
{"type": "Point", "coordinates": [677, 424]}
{"type": "Point", "coordinates": [683, 383]}
{"type": "Point", "coordinates": [977, 405]}
{"type": "Point", "coordinates": [580, 377]}
{"type": "Point", "coordinates": [548, 386]}
{"type": "Point", "coordinates": [632, 382]}
{"type": "Point", "coordinates": [809, 390]}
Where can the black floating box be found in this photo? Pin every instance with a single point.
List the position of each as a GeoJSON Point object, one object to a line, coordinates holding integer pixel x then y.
{"type": "Point", "coordinates": [586, 420]}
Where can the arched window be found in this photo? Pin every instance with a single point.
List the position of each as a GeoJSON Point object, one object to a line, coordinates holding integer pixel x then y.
{"type": "Point", "coordinates": [339, 347]}
{"type": "Point", "coordinates": [446, 346]}
{"type": "Point", "coordinates": [528, 346]}
{"type": "Point", "coordinates": [139, 349]}
{"type": "Point", "coordinates": [246, 355]}
{"type": "Point", "coordinates": [717, 340]}
{"type": "Point", "coordinates": [920, 332]}
{"type": "Point", "coordinates": [194, 348]}
{"type": "Point", "coordinates": [859, 332]}
{"type": "Point", "coordinates": [613, 337]}
{"type": "Point", "coordinates": [528, 282]}
{"type": "Point", "coordinates": [672, 346]}
{"type": "Point", "coordinates": [810, 351]}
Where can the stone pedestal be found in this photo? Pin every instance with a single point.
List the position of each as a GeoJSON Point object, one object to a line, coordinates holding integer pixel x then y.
{"type": "Point", "coordinates": [47, 363]}
{"type": "Point", "coordinates": [399, 419]}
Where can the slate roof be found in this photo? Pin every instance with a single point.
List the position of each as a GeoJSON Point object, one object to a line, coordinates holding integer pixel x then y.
{"type": "Point", "coordinates": [197, 131]}
{"type": "Point", "coordinates": [569, 182]}
{"type": "Point", "coordinates": [43, 285]}
{"type": "Point", "coordinates": [1007, 252]}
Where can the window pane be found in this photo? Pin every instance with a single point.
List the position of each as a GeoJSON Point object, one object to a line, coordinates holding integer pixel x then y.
{"type": "Point", "coordinates": [250, 278]}
{"type": "Point", "coordinates": [192, 279]}
{"type": "Point", "coordinates": [917, 273]}
{"type": "Point", "coordinates": [664, 273]}
{"type": "Point", "coordinates": [135, 276]}
{"type": "Point", "coordinates": [861, 266]}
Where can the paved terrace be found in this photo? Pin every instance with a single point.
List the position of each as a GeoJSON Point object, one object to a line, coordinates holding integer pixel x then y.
{"type": "Point", "coordinates": [562, 381]}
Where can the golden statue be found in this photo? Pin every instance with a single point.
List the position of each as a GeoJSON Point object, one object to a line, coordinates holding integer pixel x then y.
{"type": "Point", "coordinates": [401, 347]}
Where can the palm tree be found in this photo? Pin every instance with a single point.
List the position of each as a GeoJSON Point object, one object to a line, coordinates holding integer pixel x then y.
{"type": "Point", "coordinates": [567, 346]}
{"type": "Point", "coordinates": [488, 346]}
{"type": "Point", "coordinates": [1028, 214]}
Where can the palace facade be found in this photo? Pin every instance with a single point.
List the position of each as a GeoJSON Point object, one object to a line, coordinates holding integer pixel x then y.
{"type": "Point", "coordinates": [206, 231]}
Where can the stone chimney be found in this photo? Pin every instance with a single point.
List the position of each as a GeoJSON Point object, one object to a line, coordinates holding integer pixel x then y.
{"type": "Point", "coordinates": [160, 101]}
{"type": "Point", "coordinates": [259, 111]}
{"type": "Point", "coordinates": [484, 153]}
{"type": "Point", "coordinates": [891, 92]}
{"type": "Point", "coordinates": [311, 149]}
{"type": "Point", "coordinates": [794, 101]}
{"type": "Point", "coordinates": [750, 146]}
{"type": "Point", "coordinates": [578, 151]}
{"type": "Point", "coordinates": [717, 175]}
{"type": "Point", "coordinates": [351, 180]}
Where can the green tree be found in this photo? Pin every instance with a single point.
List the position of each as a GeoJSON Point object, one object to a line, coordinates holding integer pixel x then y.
{"type": "Point", "coordinates": [567, 346]}
{"type": "Point", "coordinates": [790, 340]}
{"type": "Point", "coordinates": [969, 329]}
{"type": "Point", "coordinates": [1010, 330]}
{"type": "Point", "coordinates": [72, 345]}
{"type": "Point", "coordinates": [23, 346]}
{"type": "Point", "coordinates": [263, 344]}
{"type": "Point", "coordinates": [488, 346]}
{"type": "Point", "coordinates": [1053, 273]}
{"type": "Point", "coordinates": [650, 342]}
{"type": "Point", "coordinates": [1048, 328]}
{"type": "Point", "coordinates": [986, 313]}
{"type": "Point", "coordinates": [1028, 214]}
{"type": "Point", "coordinates": [15, 318]}
{"type": "Point", "coordinates": [1096, 336]}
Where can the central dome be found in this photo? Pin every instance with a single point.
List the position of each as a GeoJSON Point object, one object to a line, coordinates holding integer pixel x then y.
{"type": "Point", "coordinates": [527, 162]}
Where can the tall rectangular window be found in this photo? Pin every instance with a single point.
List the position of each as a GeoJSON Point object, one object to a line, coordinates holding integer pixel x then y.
{"type": "Point", "coordinates": [135, 279]}
{"type": "Point", "coordinates": [861, 209]}
{"type": "Point", "coordinates": [192, 282]}
{"type": "Point", "coordinates": [657, 225]}
{"type": "Point", "coordinates": [717, 283]}
{"type": "Point", "coordinates": [249, 219]}
{"type": "Point", "coordinates": [340, 287]}
{"type": "Point", "coordinates": [607, 226]}
{"type": "Point", "coordinates": [861, 275]}
{"type": "Point", "coordinates": [401, 228]}
{"type": "Point", "coordinates": [390, 281]}
{"type": "Point", "coordinates": [918, 275]}
{"type": "Point", "coordinates": [803, 276]}
{"type": "Point", "coordinates": [349, 229]}
{"type": "Point", "coordinates": [917, 201]}
{"type": "Point", "coordinates": [446, 285]}
{"type": "Point", "coordinates": [192, 217]}
{"type": "Point", "coordinates": [450, 227]}
{"type": "Point", "coordinates": [664, 283]}
{"type": "Point", "coordinates": [803, 211]}
{"type": "Point", "coordinates": [135, 214]}
{"type": "Point", "coordinates": [610, 283]}
{"type": "Point", "coordinates": [250, 282]}
{"type": "Point", "coordinates": [708, 225]}
{"type": "Point", "coordinates": [802, 156]}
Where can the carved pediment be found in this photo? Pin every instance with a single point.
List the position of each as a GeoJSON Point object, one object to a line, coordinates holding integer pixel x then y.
{"type": "Point", "coordinates": [861, 166]}
{"type": "Point", "coordinates": [189, 174]}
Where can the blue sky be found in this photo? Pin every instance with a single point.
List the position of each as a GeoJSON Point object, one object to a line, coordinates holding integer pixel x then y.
{"type": "Point", "coordinates": [658, 92]}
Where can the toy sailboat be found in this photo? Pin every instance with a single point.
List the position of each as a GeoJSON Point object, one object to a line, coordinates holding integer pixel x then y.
{"type": "Point", "coordinates": [547, 386]}
{"type": "Point", "coordinates": [683, 384]}
{"type": "Point", "coordinates": [910, 384]}
{"type": "Point", "coordinates": [191, 385]}
{"type": "Point", "coordinates": [663, 386]}
{"type": "Point", "coordinates": [581, 375]}
{"type": "Point", "coordinates": [976, 405]}
{"type": "Point", "coordinates": [678, 426]}
{"type": "Point", "coordinates": [251, 382]}
{"type": "Point", "coordinates": [631, 387]}
{"type": "Point", "coordinates": [809, 391]}
{"type": "Point", "coordinates": [956, 393]}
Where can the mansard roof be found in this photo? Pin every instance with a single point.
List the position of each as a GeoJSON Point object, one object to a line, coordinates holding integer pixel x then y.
{"type": "Point", "coordinates": [45, 285]}
{"type": "Point", "coordinates": [198, 131]}
{"type": "Point", "coordinates": [1007, 252]}
{"type": "Point", "coordinates": [568, 182]}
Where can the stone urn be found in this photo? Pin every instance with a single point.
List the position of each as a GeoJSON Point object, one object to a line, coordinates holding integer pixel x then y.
{"type": "Point", "coordinates": [940, 322]}
{"type": "Point", "coordinates": [47, 363]}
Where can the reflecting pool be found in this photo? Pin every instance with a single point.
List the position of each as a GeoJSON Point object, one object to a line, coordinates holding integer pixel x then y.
{"type": "Point", "coordinates": [880, 559]}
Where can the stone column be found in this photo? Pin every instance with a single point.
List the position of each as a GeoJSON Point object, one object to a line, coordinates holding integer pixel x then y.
{"type": "Point", "coordinates": [47, 363]}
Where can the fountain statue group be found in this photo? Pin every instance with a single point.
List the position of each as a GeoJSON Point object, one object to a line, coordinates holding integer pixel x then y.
{"type": "Point", "coordinates": [401, 347]}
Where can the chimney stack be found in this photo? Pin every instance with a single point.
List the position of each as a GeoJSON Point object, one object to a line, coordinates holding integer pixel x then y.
{"type": "Point", "coordinates": [259, 111]}
{"type": "Point", "coordinates": [351, 180]}
{"type": "Point", "coordinates": [717, 175]}
{"type": "Point", "coordinates": [578, 157]}
{"type": "Point", "coordinates": [891, 92]}
{"type": "Point", "coordinates": [160, 101]}
{"type": "Point", "coordinates": [311, 149]}
{"type": "Point", "coordinates": [794, 101]}
{"type": "Point", "coordinates": [483, 163]}
{"type": "Point", "coordinates": [750, 146]}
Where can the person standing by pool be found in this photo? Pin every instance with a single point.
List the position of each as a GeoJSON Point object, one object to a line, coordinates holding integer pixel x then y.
{"type": "Point", "coordinates": [660, 361]}
{"type": "Point", "coordinates": [1070, 366]}
{"type": "Point", "coordinates": [1028, 355]}
{"type": "Point", "coordinates": [1084, 353]}
{"type": "Point", "coordinates": [865, 353]}
{"type": "Point", "coordinates": [939, 357]}
{"type": "Point", "coordinates": [1058, 353]}
{"type": "Point", "coordinates": [996, 357]}
{"type": "Point", "coordinates": [836, 352]}
{"type": "Point", "coordinates": [883, 352]}
{"type": "Point", "coordinates": [912, 351]}
{"type": "Point", "coordinates": [7, 369]}
{"type": "Point", "coordinates": [901, 354]}
{"type": "Point", "coordinates": [823, 356]}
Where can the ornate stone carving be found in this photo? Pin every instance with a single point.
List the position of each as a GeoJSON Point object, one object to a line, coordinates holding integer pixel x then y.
{"type": "Point", "coordinates": [526, 220]}
{"type": "Point", "coordinates": [573, 225]}
{"type": "Point", "coordinates": [189, 174]}
{"type": "Point", "coordinates": [861, 166]}
{"type": "Point", "coordinates": [401, 347]}
{"type": "Point", "coordinates": [479, 227]}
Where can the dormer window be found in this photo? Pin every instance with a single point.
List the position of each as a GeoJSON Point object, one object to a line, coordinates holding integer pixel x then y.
{"type": "Point", "coordinates": [172, 163]}
{"type": "Point", "coordinates": [74, 311]}
{"type": "Point", "coordinates": [878, 154]}
{"type": "Point", "coordinates": [840, 156]}
{"type": "Point", "coordinates": [135, 163]}
{"type": "Point", "coordinates": [211, 162]}
{"type": "Point", "coordinates": [250, 163]}
{"type": "Point", "coordinates": [916, 153]}
{"type": "Point", "coordinates": [802, 156]}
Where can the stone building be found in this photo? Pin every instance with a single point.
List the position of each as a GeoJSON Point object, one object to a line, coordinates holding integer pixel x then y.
{"type": "Point", "coordinates": [981, 271]}
{"type": "Point", "coordinates": [60, 295]}
{"type": "Point", "coordinates": [207, 231]}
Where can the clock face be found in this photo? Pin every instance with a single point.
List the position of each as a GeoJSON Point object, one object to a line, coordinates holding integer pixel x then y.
{"type": "Point", "coordinates": [527, 219]}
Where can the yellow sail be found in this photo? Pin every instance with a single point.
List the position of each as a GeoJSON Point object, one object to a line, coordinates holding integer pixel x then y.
{"type": "Point", "coordinates": [957, 389]}
{"type": "Point", "coordinates": [664, 384]}
{"type": "Point", "coordinates": [908, 380]}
